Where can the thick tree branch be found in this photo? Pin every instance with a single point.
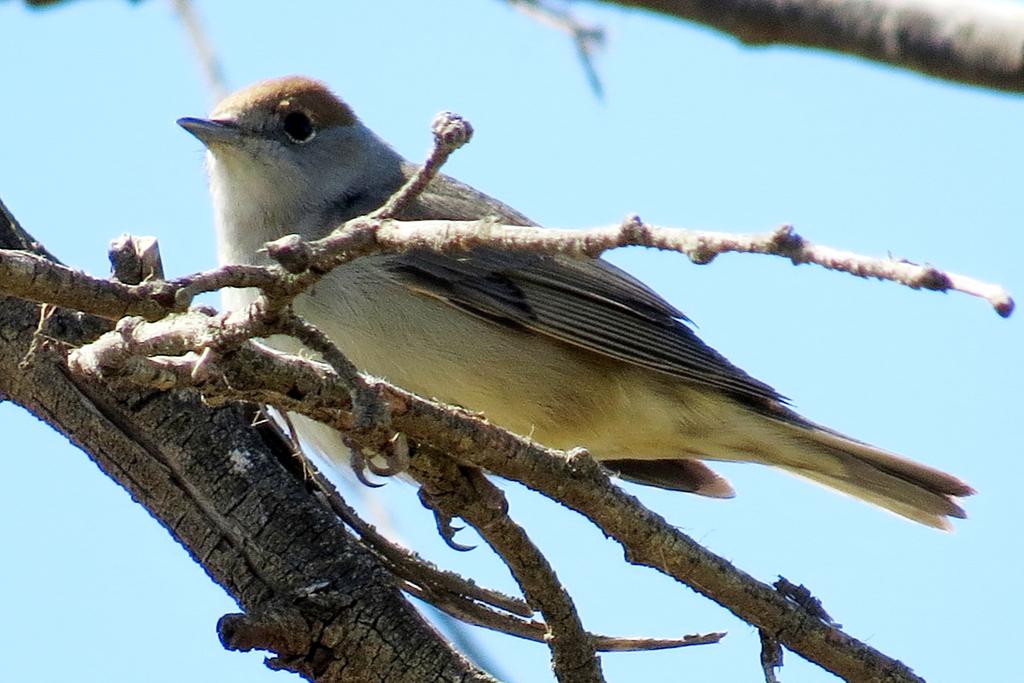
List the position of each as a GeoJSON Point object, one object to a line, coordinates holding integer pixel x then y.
{"type": "Point", "coordinates": [227, 496]}
{"type": "Point", "coordinates": [257, 373]}
{"type": "Point", "coordinates": [978, 42]}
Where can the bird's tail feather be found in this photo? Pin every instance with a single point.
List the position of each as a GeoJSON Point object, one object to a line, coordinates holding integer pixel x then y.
{"type": "Point", "coordinates": [918, 492]}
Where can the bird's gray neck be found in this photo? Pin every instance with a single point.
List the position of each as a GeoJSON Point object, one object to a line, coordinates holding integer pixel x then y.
{"type": "Point", "coordinates": [256, 202]}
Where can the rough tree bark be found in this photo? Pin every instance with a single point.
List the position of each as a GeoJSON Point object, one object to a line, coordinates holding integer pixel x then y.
{"type": "Point", "coordinates": [978, 42]}
{"type": "Point", "coordinates": [236, 500]}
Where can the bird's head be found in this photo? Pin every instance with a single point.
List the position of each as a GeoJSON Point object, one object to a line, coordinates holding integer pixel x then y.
{"type": "Point", "coordinates": [285, 150]}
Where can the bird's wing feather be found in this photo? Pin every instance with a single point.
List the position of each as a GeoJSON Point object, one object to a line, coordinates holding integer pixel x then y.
{"type": "Point", "coordinates": [588, 303]}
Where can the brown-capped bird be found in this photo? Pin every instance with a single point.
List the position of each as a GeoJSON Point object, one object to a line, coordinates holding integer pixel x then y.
{"type": "Point", "coordinates": [571, 352]}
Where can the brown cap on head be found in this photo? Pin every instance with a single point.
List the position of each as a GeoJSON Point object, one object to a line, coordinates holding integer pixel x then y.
{"type": "Point", "coordinates": [283, 95]}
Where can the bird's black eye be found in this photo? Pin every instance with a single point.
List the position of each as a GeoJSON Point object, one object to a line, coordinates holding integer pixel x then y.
{"type": "Point", "coordinates": [298, 127]}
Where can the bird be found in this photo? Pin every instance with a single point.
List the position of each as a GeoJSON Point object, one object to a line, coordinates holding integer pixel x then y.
{"type": "Point", "coordinates": [572, 352]}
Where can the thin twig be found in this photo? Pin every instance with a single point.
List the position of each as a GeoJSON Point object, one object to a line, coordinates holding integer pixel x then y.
{"type": "Point", "coordinates": [771, 656]}
{"type": "Point", "coordinates": [451, 132]}
{"type": "Point", "coordinates": [586, 38]}
{"type": "Point", "coordinates": [32, 277]}
{"type": "Point", "coordinates": [39, 337]}
{"type": "Point", "coordinates": [466, 493]}
{"type": "Point", "coordinates": [473, 613]}
{"type": "Point", "coordinates": [409, 565]}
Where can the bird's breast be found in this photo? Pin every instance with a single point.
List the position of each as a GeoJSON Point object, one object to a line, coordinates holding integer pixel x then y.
{"type": "Point", "coordinates": [533, 385]}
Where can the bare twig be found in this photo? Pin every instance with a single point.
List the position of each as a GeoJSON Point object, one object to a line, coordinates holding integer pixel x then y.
{"type": "Point", "coordinates": [135, 259]}
{"type": "Point", "coordinates": [39, 338]}
{"type": "Point", "coordinates": [410, 566]}
{"type": "Point", "coordinates": [771, 656]}
{"type": "Point", "coordinates": [368, 411]}
{"type": "Point", "coordinates": [586, 37]}
{"type": "Point", "coordinates": [32, 277]}
{"type": "Point", "coordinates": [620, 644]}
{"type": "Point", "coordinates": [801, 595]}
{"type": "Point", "coordinates": [451, 132]}
{"type": "Point", "coordinates": [466, 493]}
{"type": "Point", "coordinates": [474, 613]}
{"type": "Point", "coordinates": [700, 246]}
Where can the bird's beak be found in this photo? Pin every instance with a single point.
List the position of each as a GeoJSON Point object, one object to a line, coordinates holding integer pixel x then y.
{"type": "Point", "coordinates": [212, 131]}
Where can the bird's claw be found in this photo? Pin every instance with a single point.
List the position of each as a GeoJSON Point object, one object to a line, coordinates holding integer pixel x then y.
{"type": "Point", "coordinates": [444, 524]}
{"type": "Point", "coordinates": [395, 460]}
{"type": "Point", "coordinates": [360, 465]}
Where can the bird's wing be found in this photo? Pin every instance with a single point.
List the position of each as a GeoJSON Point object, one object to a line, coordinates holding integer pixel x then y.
{"type": "Point", "coordinates": [587, 303]}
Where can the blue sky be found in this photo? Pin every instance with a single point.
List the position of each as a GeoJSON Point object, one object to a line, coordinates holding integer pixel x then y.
{"type": "Point", "coordinates": [695, 131]}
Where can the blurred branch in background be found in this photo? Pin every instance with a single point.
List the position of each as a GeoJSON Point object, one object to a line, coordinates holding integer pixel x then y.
{"type": "Point", "coordinates": [587, 38]}
{"type": "Point", "coordinates": [978, 42]}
